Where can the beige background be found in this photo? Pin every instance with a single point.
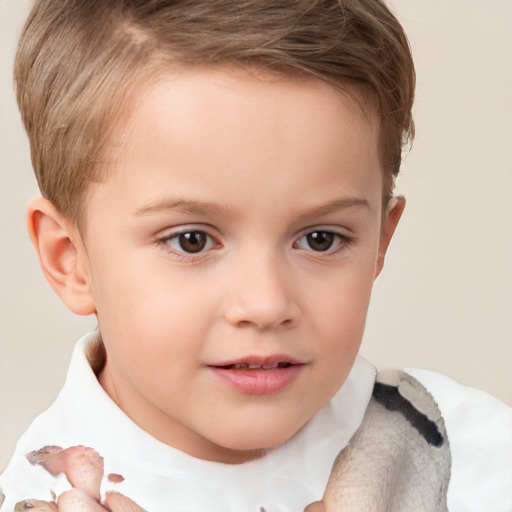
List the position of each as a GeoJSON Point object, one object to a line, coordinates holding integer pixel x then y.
{"type": "Point", "coordinates": [444, 301]}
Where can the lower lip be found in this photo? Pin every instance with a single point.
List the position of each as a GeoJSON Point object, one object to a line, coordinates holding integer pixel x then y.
{"type": "Point", "coordinates": [258, 382]}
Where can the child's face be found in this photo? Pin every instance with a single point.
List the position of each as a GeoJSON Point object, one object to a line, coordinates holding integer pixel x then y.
{"type": "Point", "coordinates": [241, 224]}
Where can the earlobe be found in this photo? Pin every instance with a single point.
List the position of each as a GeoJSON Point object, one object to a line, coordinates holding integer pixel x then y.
{"type": "Point", "coordinates": [394, 210]}
{"type": "Point", "coordinates": [61, 255]}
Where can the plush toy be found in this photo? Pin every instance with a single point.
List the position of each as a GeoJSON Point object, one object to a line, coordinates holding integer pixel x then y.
{"type": "Point", "coordinates": [399, 459]}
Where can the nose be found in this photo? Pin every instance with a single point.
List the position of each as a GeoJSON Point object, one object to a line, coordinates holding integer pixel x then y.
{"type": "Point", "coordinates": [261, 295]}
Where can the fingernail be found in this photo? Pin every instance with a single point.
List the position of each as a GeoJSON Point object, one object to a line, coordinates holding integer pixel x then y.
{"type": "Point", "coordinates": [33, 506]}
{"type": "Point", "coordinates": [37, 456]}
{"type": "Point", "coordinates": [22, 505]}
{"type": "Point", "coordinates": [115, 478]}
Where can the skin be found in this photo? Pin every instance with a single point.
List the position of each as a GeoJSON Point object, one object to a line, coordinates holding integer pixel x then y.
{"type": "Point", "coordinates": [83, 468]}
{"type": "Point", "coordinates": [260, 166]}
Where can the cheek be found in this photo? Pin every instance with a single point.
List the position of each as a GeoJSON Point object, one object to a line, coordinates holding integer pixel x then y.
{"type": "Point", "coordinates": [340, 317]}
{"type": "Point", "coordinates": [343, 304]}
{"type": "Point", "coordinates": [342, 328]}
{"type": "Point", "coordinates": [145, 293]}
{"type": "Point", "coordinates": [155, 318]}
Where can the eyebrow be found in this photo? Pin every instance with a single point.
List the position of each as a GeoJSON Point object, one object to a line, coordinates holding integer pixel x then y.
{"type": "Point", "coordinates": [339, 204]}
{"type": "Point", "coordinates": [206, 208]}
{"type": "Point", "coordinates": [182, 205]}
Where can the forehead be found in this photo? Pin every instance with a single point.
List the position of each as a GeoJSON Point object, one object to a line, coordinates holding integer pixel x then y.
{"type": "Point", "coordinates": [217, 124]}
{"type": "Point", "coordinates": [192, 96]}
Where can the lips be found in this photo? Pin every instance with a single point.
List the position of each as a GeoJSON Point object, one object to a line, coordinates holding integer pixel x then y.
{"type": "Point", "coordinates": [257, 362]}
{"type": "Point", "coordinates": [248, 366]}
{"type": "Point", "coordinates": [258, 375]}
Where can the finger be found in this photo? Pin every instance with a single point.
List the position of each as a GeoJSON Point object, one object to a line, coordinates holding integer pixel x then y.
{"type": "Point", "coordinates": [118, 503]}
{"type": "Point", "coordinates": [82, 466]}
{"type": "Point", "coordinates": [45, 453]}
{"type": "Point", "coordinates": [317, 506]}
{"type": "Point", "coordinates": [35, 506]}
{"type": "Point", "coordinates": [84, 469]}
{"type": "Point", "coordinates": [78, 501]}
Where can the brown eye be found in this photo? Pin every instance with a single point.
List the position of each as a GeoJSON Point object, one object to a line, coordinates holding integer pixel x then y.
{"type": "Point", "coordinates": [324, 241]}
{"type": "Point", "coordinates": [189, 243]}
{"type": "Point", "coordinates": [192, 242]}
{"type": "Point", "coordinates": [320, 240]}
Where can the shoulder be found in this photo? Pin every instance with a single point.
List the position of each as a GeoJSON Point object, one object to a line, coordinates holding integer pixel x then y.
{"type": "Point", "coordinates": [479, 429]}
{"type": "Point", "coordinates": [59, 425]}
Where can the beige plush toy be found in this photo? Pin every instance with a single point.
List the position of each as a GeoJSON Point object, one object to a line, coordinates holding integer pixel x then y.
{"type": "Point", "coordinates": [399, 459]}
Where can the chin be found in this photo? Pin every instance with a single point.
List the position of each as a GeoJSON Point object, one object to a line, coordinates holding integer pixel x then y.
{"type": "Point", "coordinates": [258, 438]}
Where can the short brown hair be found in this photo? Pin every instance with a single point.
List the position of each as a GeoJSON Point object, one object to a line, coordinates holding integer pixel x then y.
{"type": "Point", "coordinates": [78, 61]}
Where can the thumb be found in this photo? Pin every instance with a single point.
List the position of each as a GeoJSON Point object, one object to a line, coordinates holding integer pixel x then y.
{"type": "Point", "coordinates": [78, 501]}
{"type": "Point", "coordinates": [118, 503]}
{"type": "Point", "coordinates": [317, 506]}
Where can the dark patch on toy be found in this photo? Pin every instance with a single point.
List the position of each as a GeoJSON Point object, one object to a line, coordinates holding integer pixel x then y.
{"type": "Point", "coordinates": [392, 400]}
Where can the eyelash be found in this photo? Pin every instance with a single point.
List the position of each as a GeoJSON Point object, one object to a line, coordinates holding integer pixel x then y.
{"type": "Point", "coordinates": [340, 241]}
{"type": "Point", "coordinates": [167, 241]}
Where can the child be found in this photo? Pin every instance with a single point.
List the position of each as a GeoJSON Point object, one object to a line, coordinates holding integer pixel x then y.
{"type": "Point", "coordinates": [217, 186]}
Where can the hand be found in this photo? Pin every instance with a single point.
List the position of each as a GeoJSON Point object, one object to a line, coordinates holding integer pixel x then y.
{"type": "Point", "coordinates": [84, 469]}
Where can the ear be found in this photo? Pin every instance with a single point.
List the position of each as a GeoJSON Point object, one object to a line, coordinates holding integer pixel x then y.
{"type": "Point", "coordinates": [62, 255]}
{"type": "Point", "coordinates": [394, 210]}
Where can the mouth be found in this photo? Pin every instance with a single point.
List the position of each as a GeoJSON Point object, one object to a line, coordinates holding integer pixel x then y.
{"type": "Point", "coordinates": [254, 362]}
{"type": "Point", "coordinates": [249, 366]}
{"type": "Point", "coordinates": [258, 376]}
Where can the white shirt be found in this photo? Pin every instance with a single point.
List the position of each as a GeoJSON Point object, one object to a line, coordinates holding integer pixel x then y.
{"type": "Point", "coordinates": [289, 477]}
